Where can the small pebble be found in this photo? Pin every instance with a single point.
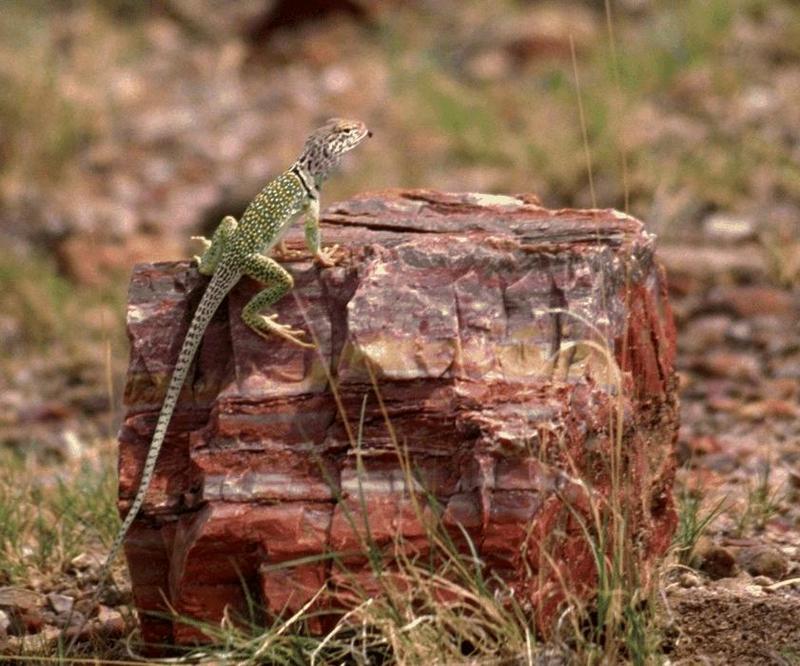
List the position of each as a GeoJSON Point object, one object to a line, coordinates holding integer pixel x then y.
{"type": "Point", "coordinates": [49, 617]}
{"type": "Point", "coordinates": [111, 621]}
{"type": "Point", "coordinates": [76, 619]}
{"type": "Point", "coordinates": [763, 581]}
{"type": "Point", "coordinates": [20, 599]}
{"type": "Point", "coordinates": [727, 228]}
{"type": "Point", "coordinates": [60, 603]}
{"type": "Point", "coordinates": [689, 579]}
{"type": "Point", "coordinates": [82, 562]}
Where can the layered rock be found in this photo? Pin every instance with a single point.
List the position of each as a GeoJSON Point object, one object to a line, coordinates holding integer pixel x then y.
{"type": "Point", "coordinates": [482, 362]}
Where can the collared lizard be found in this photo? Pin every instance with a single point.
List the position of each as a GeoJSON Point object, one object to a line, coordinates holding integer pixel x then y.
{"type": "Point", "coordinates": [237, 249]}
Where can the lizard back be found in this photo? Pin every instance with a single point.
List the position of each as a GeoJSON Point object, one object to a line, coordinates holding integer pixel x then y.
{"type": "Point", "coordinates": [269, 215]}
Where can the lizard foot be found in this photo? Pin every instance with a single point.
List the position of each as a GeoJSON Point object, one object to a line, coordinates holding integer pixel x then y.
{"type": "Point", "coordinates": [327, 257]}
{"type": "Point", "coordinates": [285, 254]}
{"type": "Point", "coordinates": [206, 243]}
{"type": "Point", "coordinates": [268, 324]}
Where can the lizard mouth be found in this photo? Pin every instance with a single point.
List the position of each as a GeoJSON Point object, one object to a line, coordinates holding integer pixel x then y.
{"type": "Point", "coordinates": [365, 134]}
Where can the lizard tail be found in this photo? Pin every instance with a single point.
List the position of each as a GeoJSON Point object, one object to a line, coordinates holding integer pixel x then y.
{"type": "Point", "coordinates": [221, 283]}
{"type": "Point", "coordinates": [215, 292]}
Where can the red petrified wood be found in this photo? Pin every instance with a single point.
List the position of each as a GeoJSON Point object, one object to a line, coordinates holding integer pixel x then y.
{"type": "Point", "coordinates": [521, 355]}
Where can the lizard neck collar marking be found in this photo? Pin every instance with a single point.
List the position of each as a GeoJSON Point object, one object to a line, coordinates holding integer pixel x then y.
{"type": "Point", "coordinates": [311, 190]}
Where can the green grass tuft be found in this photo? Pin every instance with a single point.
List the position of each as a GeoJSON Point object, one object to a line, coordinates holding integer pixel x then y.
{"type": "Point", "coordinates": [48, 515]}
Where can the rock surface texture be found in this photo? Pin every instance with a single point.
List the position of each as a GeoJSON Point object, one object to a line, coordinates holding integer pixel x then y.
{"type": "Point", "coordinates": [520, 359]}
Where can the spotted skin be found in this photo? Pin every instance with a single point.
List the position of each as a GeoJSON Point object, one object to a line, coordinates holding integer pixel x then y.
{"type": "Point", "coordinates": [207, 264]}
{"type": "Point", "coordinates": [236, 249]}
{"type": "Point", "coordinates": [266, 270]}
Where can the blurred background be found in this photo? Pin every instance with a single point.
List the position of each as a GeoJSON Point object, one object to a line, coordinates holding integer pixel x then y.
{"type": "Point", "coordinates": [127, 126]}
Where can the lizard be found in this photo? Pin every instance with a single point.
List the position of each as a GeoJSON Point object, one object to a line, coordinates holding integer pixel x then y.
{"type": "Point", "coordinates": [238, 248]}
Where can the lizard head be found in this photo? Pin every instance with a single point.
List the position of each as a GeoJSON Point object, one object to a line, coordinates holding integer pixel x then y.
{"type": "Point", "coordinates": [326, 145]}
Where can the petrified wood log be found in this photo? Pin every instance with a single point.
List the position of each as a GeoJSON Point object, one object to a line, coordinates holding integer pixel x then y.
{"type": "Point", "coordinates": [492, 328]}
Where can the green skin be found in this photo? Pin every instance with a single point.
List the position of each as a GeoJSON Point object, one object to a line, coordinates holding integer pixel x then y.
{"type": "Point", "coordinates": [237, 249]}
{"type": "Point", "coordinates": [240, 247]}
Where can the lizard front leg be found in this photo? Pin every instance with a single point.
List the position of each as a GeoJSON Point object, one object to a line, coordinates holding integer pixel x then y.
{"type": "Point", "coordinates": [324, 257]}
{"type": "Point", "coordinates": [269, 272]}
{"type": "Point", "coordinates": [212, 251]}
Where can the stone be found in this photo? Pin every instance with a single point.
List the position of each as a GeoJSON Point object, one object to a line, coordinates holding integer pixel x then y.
{"type": "Point", "coordinates": [479, 347]}
{"type": "Point", "coordinates": [763, 560]}
{"type": "Point", "coordinates": [762, 581]}
{"type": "Point", "coordinates": [60, 603]}
{"type": "Point", "coordinates": [749, 301]}
{"type": "Point", "coordinates": [714, 560]}
{"type": "Point", "coordinates": [793, 481]}
{"type": "Point", "coordinates": [110, 622]}
{"type": "Point", "coordinates": [698, 265]}
{"type": "Point", "coordinates": [20, 600]}
{"type": "Point", "coordinates": [704, 332]}
{"type": "Point", "coordinates": [731, 365]}
{"type": "Point", "coordinates": [77, 620]}
{"type": "Point", "coordinates": [728, 228]}
{"type": "Point", "coordinates": [689, 579]}
{"type": "Point", "coordinates": [83, 561]}
{"type": "Point", "coordinates": [770, 409]}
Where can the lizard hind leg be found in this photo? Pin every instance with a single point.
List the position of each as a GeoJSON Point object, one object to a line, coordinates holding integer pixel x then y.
{"type": "Point", "coordinates": [279, 282]}
{"type": "Point", "coordinates": [213, 249]}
